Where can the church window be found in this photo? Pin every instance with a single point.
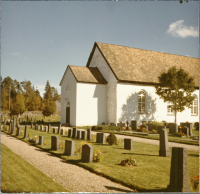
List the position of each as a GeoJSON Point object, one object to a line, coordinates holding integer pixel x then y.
{"type": "Point", "coordinates": [194, 106]}
{"type": "Point", "coordinates": [169, 109]}
{"type": "Point", "coordinates": [141, 102]}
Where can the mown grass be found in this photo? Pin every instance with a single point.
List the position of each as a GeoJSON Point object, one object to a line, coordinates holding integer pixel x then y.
{"type": "Point", "coordinates": [17, 176]}
{"type": "Point", "coordinates": [151, 175]}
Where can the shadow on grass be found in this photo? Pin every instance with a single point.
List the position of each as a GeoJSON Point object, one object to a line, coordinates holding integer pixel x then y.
{"type": "Point", "coordinates": [195, 155]}
{"type": "Point", "coordinates": [140, 154]}
{"type": "Point", "coordinates": [118, 189]}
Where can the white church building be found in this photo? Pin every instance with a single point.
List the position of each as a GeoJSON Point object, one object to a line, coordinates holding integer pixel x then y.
{"type": "Point", "coordinates": [117, 84]}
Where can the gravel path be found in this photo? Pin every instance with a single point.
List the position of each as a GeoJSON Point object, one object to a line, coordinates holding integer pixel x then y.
{"type": "Point", "coordinates": [73, 178]}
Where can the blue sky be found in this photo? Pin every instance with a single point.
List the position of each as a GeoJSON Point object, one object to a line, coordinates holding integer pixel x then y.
{"type": "Point", "coordinates": [39, 39]}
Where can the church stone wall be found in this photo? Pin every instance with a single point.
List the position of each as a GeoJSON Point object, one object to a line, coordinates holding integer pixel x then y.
{"type": "Point", "coordinates": [91, 104]}
{"type": "Point", "coordinates": [99, 61]}
{"type": "Point", "coordinates": [155, 110]}
{"type": "Point", "coordinates": [68, 97]}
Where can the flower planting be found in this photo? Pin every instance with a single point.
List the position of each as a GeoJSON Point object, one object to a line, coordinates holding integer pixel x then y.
{"type": "Point", "coordinates": [194, 183]}
{"type": "Point", "coordinates": [128, 162]}
{"type": "Point", "coordinates": [78, 149]}
{"type": "Point", "coordinates": [98, 156]}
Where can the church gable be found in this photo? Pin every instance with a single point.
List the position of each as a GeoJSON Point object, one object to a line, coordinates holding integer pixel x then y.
{"type": "Point", "coordinates": [143, 66]}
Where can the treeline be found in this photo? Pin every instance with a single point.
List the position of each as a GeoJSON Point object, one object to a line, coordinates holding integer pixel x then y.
{"type": "Point", "coordinates": [19, 97]}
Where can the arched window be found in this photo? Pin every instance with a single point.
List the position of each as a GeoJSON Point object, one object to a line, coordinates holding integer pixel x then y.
{"type": "Point", "coordinates": [141, 102]}
{"type": "Point", "coordinates": [194, 106]}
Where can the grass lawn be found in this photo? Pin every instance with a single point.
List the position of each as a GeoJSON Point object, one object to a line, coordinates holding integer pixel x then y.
{"type": "Point", "coordinates": [151, 175]}
{"type": "Point", "coordinates": [17, 176]}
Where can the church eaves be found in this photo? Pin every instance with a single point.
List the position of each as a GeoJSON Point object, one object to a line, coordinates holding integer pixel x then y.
{"type": "Point", "coordinates": [143, 66]}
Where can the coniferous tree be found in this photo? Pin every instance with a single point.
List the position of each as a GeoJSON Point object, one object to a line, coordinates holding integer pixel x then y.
{"type": "Point", "coordinates": [176, 86]}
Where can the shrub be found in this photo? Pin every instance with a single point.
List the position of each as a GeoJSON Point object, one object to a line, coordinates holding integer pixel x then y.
{"type": "Point", "coordinates": [180, 133]}
{"type": "Point", "coordinates": [98, 156]}
{"type": "Point", "coordinates": [129, 162]}
{"type": "Point", "coordinates": [153, 131]}
{"type": "Point", "coordinates": [156, 124]}
{"type": "Point", "coordinates": [194, 183]}
{"type": "Point", "coordinates": [94, 128]}
{"type": "Point", "coordinates": [111, 139]}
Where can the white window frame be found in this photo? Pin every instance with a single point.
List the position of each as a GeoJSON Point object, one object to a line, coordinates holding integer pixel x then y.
{"type": "Point", "coordinates": [194, 106]}
{"type": "Point", "coordinates": [169, 109]}
{"type": "Point", "coordinates": [142, 102]}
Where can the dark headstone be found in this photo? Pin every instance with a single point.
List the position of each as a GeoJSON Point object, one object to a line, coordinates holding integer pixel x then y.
{"type": "Point", "coordinates": [184, 130]}
{"type": "Point", "coordinates": [40, 140]}
{"type": "Point", "coordinates": [159, 128]}
{"type": "Point", "coordinates": [35, 126]}
{"type": "Point", "coordinates": [164, 147]}
{"type": "Point", "coordinates": [41, 127]}
{"type": "Point", "coordinates": [134, 125]}
{"type": "Point", "coordinates": [128, 144]}
{"type": "Point", "coordinates": [188, 125]}
{"type": "Point", "coordinates": [143, 127]}
{"type": "Point", "coordinates": [197, 126]}
{"type": "Point", "coordinates": [74, 133]}
{"type": "Point", "coordinates": [54, 130]}
{"type": "Point", "coordinates": [10, 128]}
{"type": "Point", "coordinates": [173, 128]}
{"type": "Point", "coordinates": [87, 153]}
{"type": "Point", "coordinates": [26, 132]}
{"type": "Point", "coordinates": [78, 134]}
{"type": "Point", "coordinates": [18, 131]}
{"type": "Point", "coordinates": [150, 126]}
{"type": "Point", "coordinates": [88, 134]}
{"type": "Point", "coordinates": [83, 135]}
{"type": "Point", "coordinates": [121, 125]}
{"type": "Point", "coordinates": [179, 177]}
{"type": "Point", "coordinates": [31, 125]}
{"type": "Point", "coordinates": [62, 132]}
{"type": "Point", "coordinates": [69, 147]}
{"type": "Point", "coordinates": [100, 138]}
{"type": "Point", "coordinates": [54, 142]}
{"type": "Point", "coordinates": [69, 132]}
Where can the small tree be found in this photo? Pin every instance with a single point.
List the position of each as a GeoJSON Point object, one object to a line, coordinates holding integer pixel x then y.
{"type": "Point", "coordinates": [176, 86]}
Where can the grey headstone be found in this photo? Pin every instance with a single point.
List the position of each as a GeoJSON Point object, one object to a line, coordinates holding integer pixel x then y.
{"type": "Point", "coordinates": [190, 126]}
{"type": "Point", "coordinates": [87, 153]}
{"type": "Point", "coordinates": [69, 132]}
{"type": "Point", "coordinates": [173, 128]}
{"type": "Point", "coordinates": [18, 131]}
{"type": "Point", "coordinates": [49, 126]}
{"type": "Point", "coordinates": [88, 134]}
{"type": "Point", "coordinates": [40, 140]}
{"type": "Point", "coordinates": [59, 127]}
{"type": "Point", "coordinates": [100, 138]}
{"type": "Point", "coordinates": [179, 177]}
{"type": "Point", "coordinates": [74, 133]}
{"type": "Point", "coordinates": [26, 132]}
{"type": "Point", "coordinates": [83, 135]}
{"type": "Point", "coordinates": [62, 132]}
{"type": "Point", "coordinates": [128, 144]}
{"type": "Point", "coordinates": [46, 128]}
{"type": "Point", "coordinates": [134, 125]}
{"type": "Point", "coordinates": [10, 128]}
{"type": "Point", "coordinates": [41, 127]}
{"type": "Point", "coordinates": [159, 128]}
{"type": "Point", "coordinates": [164, 147]}
{"type": "Point", "coordinates": [54, 142]}
{"type": "Point", "coordinates": [69, 147]}
{"type": "Point", "coordinates": [78, 134]}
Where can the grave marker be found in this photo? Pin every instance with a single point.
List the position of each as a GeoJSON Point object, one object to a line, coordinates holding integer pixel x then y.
{"type": "Point", "coordinates": [59, 127]}
{"type": "Point", "coordinates": [62, 132]}
{"type": "Point", "coordinates": [69, 132]}
{"type": "Point", "coordinates": [83, 135]}
{"type": "Point", "coordinates": [173, 128]}
{"type": "Point", "coordinates": [87, 153]}
{"type": "Point", "coordinates": [18, 131]}
{"type": "Point", "coordinates": [54, 142]}
{"type": "Point", "coordinates": [88, 134]}
{"type": "Point", "coordinates": [26, 132]}
{"type": "Point", "coordinates": [159, 128]}
{"type": "Point", "coordinates": [74, 133]}
{"type": "Point", "coordinates": [128, 144]}
{"type": "Point", "coordinates": [100, 138]}
{"type": "Point", "coordinates": [54, 130]}
{"type": "Point", "coordinates": [40, 140]}
{"type": "Point", "coordinates": [188, 125]}
{"type": "Point", "coordinates": [69, 147]}
{"type": "Point", "coordinates": [78, 134]}
{"type": "Point", "coordinates": [164, 147]}
{"type": "Point", "coordinates": [134, 125]}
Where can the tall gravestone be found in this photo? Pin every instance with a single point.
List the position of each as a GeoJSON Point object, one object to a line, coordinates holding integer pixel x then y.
{"type": "Point", "coordinates": [49, 126]}
{"type": "Point", "coordinates": [40, 140]}
{"type": "Point", "coordinates": [134, 125]}
{"type": "Point", "coordinates": [46, 128]}
{"type": "Point", "coordinates": [159, 128]}
{"type": "Point", "coordinates": [188, 125]}
{"type": "Point", "coordinates": [26, 132]}
{"type": "Point", "coordinates": [87, 153]}
{"type": "Point", "coordinates": [88, 134]}
{"type": "Point", "coordinates": [74, 133]}
{"type": "Point", "coordinates": [164, 147]}
{"type": "Point", "coordinates": [100, 138]}
{"type": "Point", "coordinates": [69, 132]}
{"type": "Point", "coordinates": [54, 142]}
{"type": "Point", "coordinates": [150, 126]}
{"type": "Point", "coordinates": [59, 127]}
{"type": "Point", "coordinates": [13, 126]}
{"type": "Point", "coordinates": [78, 134]}
{"type": "Point", "coordinates": [179, 177]}
{"type": "Point", "coordinates": [128, 144]}
{"type": "Point", "coordinates": [69, 147]}
{"type": "Point", "coordinates": [83, 135]}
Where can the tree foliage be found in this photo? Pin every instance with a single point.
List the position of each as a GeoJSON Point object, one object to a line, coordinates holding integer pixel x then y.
{"type": "Point", "coordinates": [176, 86]}
{"type": "Point", "coordinates": [18, 106]}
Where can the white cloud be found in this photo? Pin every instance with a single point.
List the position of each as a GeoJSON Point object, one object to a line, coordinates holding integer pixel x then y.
{"type": "Point", "coordinates": [15, 54]}
{"type": "Point", "coordinates": [178, 29]}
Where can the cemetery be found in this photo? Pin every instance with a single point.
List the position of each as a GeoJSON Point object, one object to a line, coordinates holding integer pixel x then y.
{"type": "Point", "coordinates": [143, 167]}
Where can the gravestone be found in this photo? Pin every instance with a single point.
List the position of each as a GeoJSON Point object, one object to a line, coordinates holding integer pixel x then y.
{"type": "Point", "coordinates": [197, 126]}
{"type": "Point", "coordinates": [184, 130]}
{"type": "Point", "coordinates": [10, 128]}
{"type": "Point", "coordinates": [100, 138]}
{"type": "Point", "coordinates": [150, 126]}
{"type": "Point", "coordinates": [49, 126]}
{"type": "Point", "coordinates": [127, 125]}
{"type": "Point", "coordinates": [74, 133]}
{"type": "Point", "coordinates": [143, 127]}
{"type": "Point", "coordinates": [128, 144]}
{"type": "Point", "coordinates": [83, 135]}
{"type": "Point", "coordinates": [18, 131]}
{"type": "Point", "coordinates": [78, 134]}
{"type": "Point", "coordinates": [54, 142]}
{"type": "Point", "coordinates": [173, 128]}
{"type": "Point", "coordinates": [88, 134]}
{"type": "Point", "coordinates": [46, 128]}
{"type": "Point", "coordinates": [40, 140]}
{"type": "Point", "coordinates": [188, 125]}
{"type": "Point", "coordinates": [134, 125]}
{"type": "Point", "coordinates": [31, 125]}
{"type": "Point", "coordinates": [87, 153]}
{"type": "Point", "coordinates": [26, 132]}
{"type": "Point", "coordinates": [59, 127]}
{"type": "Point", "coordinates": [54, 130]}
{"type": "Point", "coordinates": [121, 125]}
{"type": "Point", "coordinates": [164, 147]}
{"type": "Point", "coordinates": [159, 128]}
{"type": "Point", "coordinates": [179, 177]}
{"type": "Point", "coordinates": [13, 126]}
{"type": "Point", "coordinates": [41, 128]}
{"type": "Point", "coordinates": [69, 132]}
{"type": "Point", "coordinates": [69, 147]}
{"type": "Point", "coordinates": [35, 126]}
{"type": "Point", "coordinates": [62, 132]}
